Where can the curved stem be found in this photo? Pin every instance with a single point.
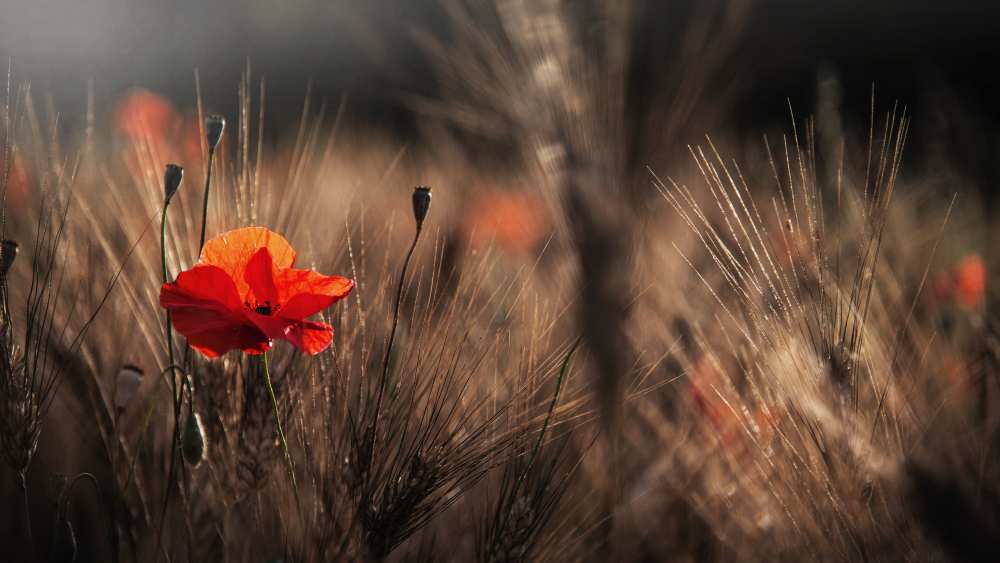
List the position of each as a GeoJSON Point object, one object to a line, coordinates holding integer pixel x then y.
{"type": "Point", "coordinates": [541, 435]}
{"type": "Point", "coordinates": [175, 391]}
{"type": "Point", "coordinates": [388, 349]}
{"type": "Point", "coordinates": [281, 435]}
{"type": "Point", "coordinates": [204, 207]}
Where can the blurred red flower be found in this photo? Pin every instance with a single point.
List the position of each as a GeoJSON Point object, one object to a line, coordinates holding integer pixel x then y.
{"type": "Point", "coordinates": [141, 113]}
{"type": "Point", "coordinates": [965, 284]}
{"type": "Point", "coordinates": [244, 293]}
{"type": "Point", "coordinates": [515, 221]}
{"type": "Point", "coordinates": [19, 183]}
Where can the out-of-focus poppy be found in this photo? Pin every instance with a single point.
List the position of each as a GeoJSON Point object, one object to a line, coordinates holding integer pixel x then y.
{"type": "Point", "coordinates": [244, 293]}
{"type": "Point", "coordinates": [17, 183]}
{"type": "Point", "coordinates": [970, 281]}
{"type": "Point", "coordinates": [515, 221]}
{"type": "Point", "coordinates": [965, 284]}
{"type": "Point", "coordinates": [141, 113]}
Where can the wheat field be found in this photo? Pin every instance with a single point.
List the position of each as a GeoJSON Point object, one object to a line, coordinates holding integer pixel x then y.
{"type": "Point", "coordinates": [609, 341]}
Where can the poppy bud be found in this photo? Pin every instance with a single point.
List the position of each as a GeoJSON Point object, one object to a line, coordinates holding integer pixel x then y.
{"type": "Point", "coordinates": [214, 126]}
{"type": "Point", "coordinates": [8, 252]}
{"type": "Point", "coordinates": [172, 178]}
{"type": "Point", "coordinates": [421, 203]}
{"type": "Point", "coordinates": [129, 379]}
{"type": "Point", "coordinates": [193, 440]}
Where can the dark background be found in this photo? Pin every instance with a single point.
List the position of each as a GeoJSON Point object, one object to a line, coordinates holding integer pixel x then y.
{"type": "Point", "coordinates": [916, 51]}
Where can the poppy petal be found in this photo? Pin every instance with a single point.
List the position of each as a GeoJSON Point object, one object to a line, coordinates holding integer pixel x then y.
{"type": "Point", "coordinates": [201, 285]}
{"type": "Point", "coordinates": [259, 275]}
{"type": "Point", "coordinates": [246, 337]}
{"type": "Point", "coordinates": [206, 310]}
{"type": "Point", "coordinates": [310, 337]}
{"type": "Point", "coordinates": [305, 292]}
{"type": "Point", "coordinates": [231, 251]}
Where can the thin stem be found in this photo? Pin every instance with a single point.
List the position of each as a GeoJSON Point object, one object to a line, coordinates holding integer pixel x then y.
{"type": "Point", "coordinates": [166, 276]}
{"type": "Point", "coordinates": [175, 391]}
{"type": "Point", "coordinates": [27, 511]}
{"type": "Point", "coordinates": [150, 406]}
{"type": "Point", "coordinates": [388, 349]}
{"type": "Point", "coordinates": [204, 207]}
{"type": "Point", "coordinates": [281, 436]}
{"type": "Point", "coordinates": [541, 435]}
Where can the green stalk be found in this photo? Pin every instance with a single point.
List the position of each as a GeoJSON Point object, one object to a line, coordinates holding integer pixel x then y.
{"type": "Point", "coordinates": [173, 385]}
{"type": "Point", "coordinates": [204, 207]}
{"type": "Point", "coordinates": [281, 436]}
{"type": "Point", "coordinates": [388, 348]}
{"type": "Point", "coordinates": [541, 435]}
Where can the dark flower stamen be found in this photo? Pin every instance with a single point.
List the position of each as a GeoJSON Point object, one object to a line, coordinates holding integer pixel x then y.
{"type": "Point", "coordinates": [262, 308]}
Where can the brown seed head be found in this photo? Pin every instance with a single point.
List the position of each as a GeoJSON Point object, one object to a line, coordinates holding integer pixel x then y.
{"type": "Point", "coordinates": [214, 126]}
{"type": "Point", "coordinates": [421, 203]}
{"type": "Point", "coordinates": [172, 178]}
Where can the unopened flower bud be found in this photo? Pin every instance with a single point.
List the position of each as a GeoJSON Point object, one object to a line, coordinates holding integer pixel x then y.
{"type": "Point", "coordinates": [8, 252]}
{"type": "Point", "coordinates": [193, 440]}
{"type": "Point", "coordinates": [214, 126]}
{"type": "Point", "coordinates": [421, 203]}
{"type": "Point", "coordinates": [172, 178]}
{"type": "Point", "coordinates": [129, 379]}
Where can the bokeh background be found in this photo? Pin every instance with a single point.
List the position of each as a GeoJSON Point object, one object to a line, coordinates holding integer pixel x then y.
{"type": "Point", "coordinates": [916, 51]}
{"type": "Point", "coordinates": [137, 61]}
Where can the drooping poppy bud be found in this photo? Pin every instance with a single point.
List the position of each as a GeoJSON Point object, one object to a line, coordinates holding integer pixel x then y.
{"type": "Point", "coordinates": [421, 203]}
{"type": "Point", "coordinates": [214, 126]}
{"type": "Point", "coordinates": [193, 440]}
{"type": "Point", "coordinates": [129, 379]}
{"type": "Point", "coordinates": [8, 253]}
{"type": "Point", "coordinates": [172, 178]}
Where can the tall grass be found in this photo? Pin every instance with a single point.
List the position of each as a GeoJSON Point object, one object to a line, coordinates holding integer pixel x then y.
{"type": "Point", "coordinates": [778, 356]}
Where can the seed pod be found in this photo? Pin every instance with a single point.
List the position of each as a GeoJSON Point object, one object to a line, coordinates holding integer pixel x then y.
{"type": "Point", "coordinates": [172, 178]}
{"type": "Point", "coordinates": [8, 253]}
{"type": "Point", "coordinates": [129, 379]}
{"type": "Point", "coordinates": [193, 440]}
{"type": "Point", "coordinates": [421, 203]}
{"type": "Point", "coordinates": [214, 126]}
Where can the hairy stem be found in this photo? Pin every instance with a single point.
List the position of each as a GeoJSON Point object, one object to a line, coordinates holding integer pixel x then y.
{"type": "Point", "coordinates": [204, 206]}
{"type": "Point", "coordinates": [281, 435]}
{"type": "Point", "coordinates": [388, 349]}
{"type": "Point", "coordinates": [175, 390]}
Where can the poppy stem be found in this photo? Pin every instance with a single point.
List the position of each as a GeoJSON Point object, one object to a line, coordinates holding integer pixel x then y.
{"type": "Point", "coordinates": [388, 348]}
{"type": "Point", "coordinates": [204, 207]}
{"type": "Point", "coordinates": [173, 383]}
{"type": "Point", "coordinates": [137, 449]}
{"type": "Point", "coordinates": [281, 435]}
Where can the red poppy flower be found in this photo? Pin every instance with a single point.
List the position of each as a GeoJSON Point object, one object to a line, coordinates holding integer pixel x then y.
{"type": "Point", "coordinates": [141, 113]}
{"type": "Point", "coordinates": [965, 284]}
{"type": "Point", "coordinates": [244, 293]}
{"type": "Point", "coordinates": [970, 281]}
{"type": "Point", "coordinates": [516, 222]}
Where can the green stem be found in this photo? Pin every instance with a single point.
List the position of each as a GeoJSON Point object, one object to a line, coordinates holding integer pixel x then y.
{"type": "Point", "coordinates": [137, 449]}
{"type": "Point", "coordinates": [541, 435]}
{"type": "Point", "coordinates": [176, 392]}
{"type": "Point", "coordinates": [388, 348]}
{"type": "Point", "coordinates": [204, 207]}
{"type": "Point", "coordinates": [281, 435]}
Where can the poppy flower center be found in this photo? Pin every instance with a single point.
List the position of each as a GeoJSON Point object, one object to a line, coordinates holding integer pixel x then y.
{"type": "Point", "coordinates": [262, 308]}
